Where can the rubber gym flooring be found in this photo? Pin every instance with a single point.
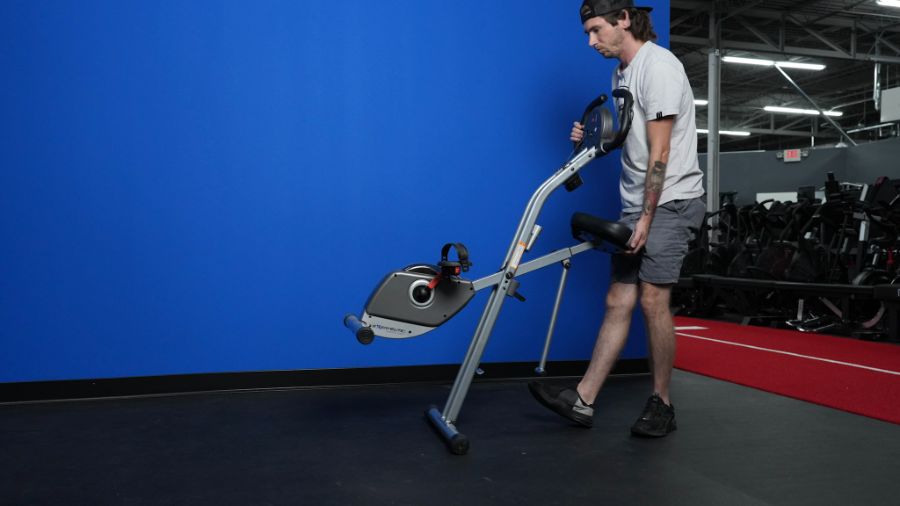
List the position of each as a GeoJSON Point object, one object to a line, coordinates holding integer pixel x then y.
{"type": "Point", "coordinates": [371, 446]}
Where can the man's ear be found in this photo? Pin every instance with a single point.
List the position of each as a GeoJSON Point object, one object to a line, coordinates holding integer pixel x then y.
{"type": "Point", "coordinates": [626, 21]}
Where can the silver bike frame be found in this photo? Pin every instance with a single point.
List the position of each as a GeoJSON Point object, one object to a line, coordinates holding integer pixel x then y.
{"type": "Point", "coordinates": [444, 421]}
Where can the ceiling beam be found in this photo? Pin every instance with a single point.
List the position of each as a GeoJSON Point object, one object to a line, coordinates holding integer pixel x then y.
{"type": "Point", "coordinates": [889, 44]}
{"type": "Point", "coordinates": [759, 35]}
{"type": "Point", "coordinates": [789, 50]}
{"type": "Point", "coordinates": [821, 38]}
{"type": "Point", "coordinates": [745, 7]}
{"type": "Point", "coordinates": [778, 131]}
{"type": "Point", "coordinates": [686, 17]}
{"type": "Point", "coordinates": [845, 21]}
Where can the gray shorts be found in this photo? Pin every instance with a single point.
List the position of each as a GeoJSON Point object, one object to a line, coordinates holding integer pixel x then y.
{"type": "Point", "coordinates": [667, 243]}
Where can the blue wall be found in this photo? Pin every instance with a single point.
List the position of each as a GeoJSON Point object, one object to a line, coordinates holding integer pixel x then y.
{"type": "Point", "coordinates": [196, 186]}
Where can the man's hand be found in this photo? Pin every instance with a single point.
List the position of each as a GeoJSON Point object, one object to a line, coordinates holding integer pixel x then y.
{"type": "Point", "coordinates": [639, 236]}
{"type": "Point", "coordinates": [577, 132]}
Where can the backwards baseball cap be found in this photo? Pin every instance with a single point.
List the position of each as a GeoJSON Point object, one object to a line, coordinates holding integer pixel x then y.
{"type": "Point", "coordinates": [593, 8]}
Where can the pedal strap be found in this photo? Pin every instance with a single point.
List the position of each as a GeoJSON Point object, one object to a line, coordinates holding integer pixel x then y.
{"type": "Point", "coordinates": [454, 267]}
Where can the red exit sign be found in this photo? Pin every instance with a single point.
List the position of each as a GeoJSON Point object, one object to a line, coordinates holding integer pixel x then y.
{"type": "Point", "coordinates": [792, 155]}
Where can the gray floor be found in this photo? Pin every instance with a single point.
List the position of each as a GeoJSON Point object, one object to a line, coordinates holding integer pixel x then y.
{"type": "Point", "coordinates": [371, 445]}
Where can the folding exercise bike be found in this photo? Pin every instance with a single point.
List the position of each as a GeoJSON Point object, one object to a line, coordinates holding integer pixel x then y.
{"type": "Point", "coordinates": [421, 297]}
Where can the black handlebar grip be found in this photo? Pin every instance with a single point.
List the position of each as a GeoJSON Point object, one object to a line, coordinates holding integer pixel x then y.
{"type": "Point", "coordinates": [625, 116]}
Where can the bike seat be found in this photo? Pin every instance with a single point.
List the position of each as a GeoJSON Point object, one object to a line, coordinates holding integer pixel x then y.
{"type": "Point", "coordinates": [613, 232]}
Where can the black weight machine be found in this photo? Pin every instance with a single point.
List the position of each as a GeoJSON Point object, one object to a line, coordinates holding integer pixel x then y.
{"type": "Point", "coordinates": [837, 272]}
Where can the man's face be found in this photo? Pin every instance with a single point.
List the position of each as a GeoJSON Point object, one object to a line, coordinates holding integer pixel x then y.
{"type": "Point", "coordinates": [605, 38]}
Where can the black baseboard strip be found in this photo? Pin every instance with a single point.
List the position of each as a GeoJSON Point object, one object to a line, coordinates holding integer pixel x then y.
{"type": "Point", "coordinates": [188, 383]}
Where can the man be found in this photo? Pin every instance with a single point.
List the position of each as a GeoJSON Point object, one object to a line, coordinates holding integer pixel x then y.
{"type": "Point", "coordinates": [662, 196]}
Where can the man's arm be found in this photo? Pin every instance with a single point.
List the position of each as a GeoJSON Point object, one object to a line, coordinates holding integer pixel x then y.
{"type": "Point", "coordinates": [659, 136]}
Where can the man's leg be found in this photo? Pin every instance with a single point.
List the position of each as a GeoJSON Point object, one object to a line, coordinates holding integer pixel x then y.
{"type": "Point", "coordinates": [658, 418]}
{"type": "Point", "coordinates": [620, 301]}
{"type": "Point", "coordinates": [661, 329]}
{"type": "Point", "coordinates": [571, 403]}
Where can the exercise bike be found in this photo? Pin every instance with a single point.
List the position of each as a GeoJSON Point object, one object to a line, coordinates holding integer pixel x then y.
{"type": "Point", "coordinates": [421, 297]}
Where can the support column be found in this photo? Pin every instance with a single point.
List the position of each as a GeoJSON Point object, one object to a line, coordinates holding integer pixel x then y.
{"type": "Point", "coordinates": [712, 121]}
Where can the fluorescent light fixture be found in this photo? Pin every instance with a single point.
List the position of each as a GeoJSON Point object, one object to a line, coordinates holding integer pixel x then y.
{"type": "Point", "coordinates": [700, 101]}
{"type": "Point", "coordinates": [793, 110]}
{"type": "Point", "coordinates": [798, 65]}
{"type": "Point", "coordinates": [748, 61]}
{"type": "Point", "coordinates": [873, 127]}
{"type": "Point", "coordinates": [889, 3]}
{"type": "Point", "coordinates": [770, 63]}
{"type": "Point", "coordinates": [736, 133]}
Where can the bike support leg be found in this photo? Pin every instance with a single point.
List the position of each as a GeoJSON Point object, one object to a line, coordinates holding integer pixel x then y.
{"type": "Point", "coordinates": [444, 421]}
{"type": "Point", "coordinates": [541, 368]}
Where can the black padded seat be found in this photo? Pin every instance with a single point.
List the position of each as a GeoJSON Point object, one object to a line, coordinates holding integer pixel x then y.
{"type": "Point", "coordinates": [612, 232]}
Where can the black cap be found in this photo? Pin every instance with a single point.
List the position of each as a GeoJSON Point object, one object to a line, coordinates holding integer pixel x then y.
{"type": "Point", "coordinates": [593, 8]}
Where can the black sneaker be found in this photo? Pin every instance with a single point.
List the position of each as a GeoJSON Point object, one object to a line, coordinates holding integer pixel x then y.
{"type": "Point", "coordinates": [657, 420]}
{"type": "Point", "coordinates": [565, 402]}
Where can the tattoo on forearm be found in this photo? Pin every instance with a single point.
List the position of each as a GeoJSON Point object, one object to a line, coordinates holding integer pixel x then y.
{"type": "Point", "coordinates": [656, 176]}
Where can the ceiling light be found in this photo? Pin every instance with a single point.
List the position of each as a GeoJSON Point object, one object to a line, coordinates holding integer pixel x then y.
{"type": "Point", "coordinates": [889, 3]}
{"type": "Point", "coordinates": [792, 110]}
{"type": "Point", "coordinates": [700, 101]}
{"type": "Point", "coordinates": [748, 61]}
{"type": "Point", "coordinates": [736, 133]}
{"type": "Point", "coordinates": [798, 65]}
{"type": "Point", "coordinates": [770, 63]}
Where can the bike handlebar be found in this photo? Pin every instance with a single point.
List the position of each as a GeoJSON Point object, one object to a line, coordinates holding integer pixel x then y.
{"type": "Point", "coordinates": [625, 116]}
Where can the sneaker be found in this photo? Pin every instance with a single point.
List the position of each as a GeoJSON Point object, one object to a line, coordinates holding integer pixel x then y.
{"type": "Point", "coordinates": [657, 420]}
{"type": "Point", "coordinates": [566, 402]}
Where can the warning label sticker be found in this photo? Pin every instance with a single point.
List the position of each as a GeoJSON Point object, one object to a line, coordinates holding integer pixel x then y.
{"type": "Point", "coordinates": [517, 255]}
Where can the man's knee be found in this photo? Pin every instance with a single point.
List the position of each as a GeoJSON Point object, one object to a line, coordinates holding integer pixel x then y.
{"type": "Point", "coordinates": [621, 298]}
{"type": "Point", "coordinates": [655, 297]}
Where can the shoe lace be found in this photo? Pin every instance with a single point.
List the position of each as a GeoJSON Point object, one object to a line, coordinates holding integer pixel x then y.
{"type": "Point", "coordinates": [655, 406]}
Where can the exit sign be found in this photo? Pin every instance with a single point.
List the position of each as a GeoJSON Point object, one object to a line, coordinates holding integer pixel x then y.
{"type": "Point", "coordinates": [792, 155]}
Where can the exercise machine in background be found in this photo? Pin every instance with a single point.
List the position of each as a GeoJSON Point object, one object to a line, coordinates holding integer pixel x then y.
{"type": "Point", "coordinates": [814, 265]}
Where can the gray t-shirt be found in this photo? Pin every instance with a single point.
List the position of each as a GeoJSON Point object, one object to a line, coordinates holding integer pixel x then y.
{"type": "Point", "coordinates": [660, 88]}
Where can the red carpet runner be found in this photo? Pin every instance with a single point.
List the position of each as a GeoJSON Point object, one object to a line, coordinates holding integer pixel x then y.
{"type": "Point", "coordinates": [856, 376]}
